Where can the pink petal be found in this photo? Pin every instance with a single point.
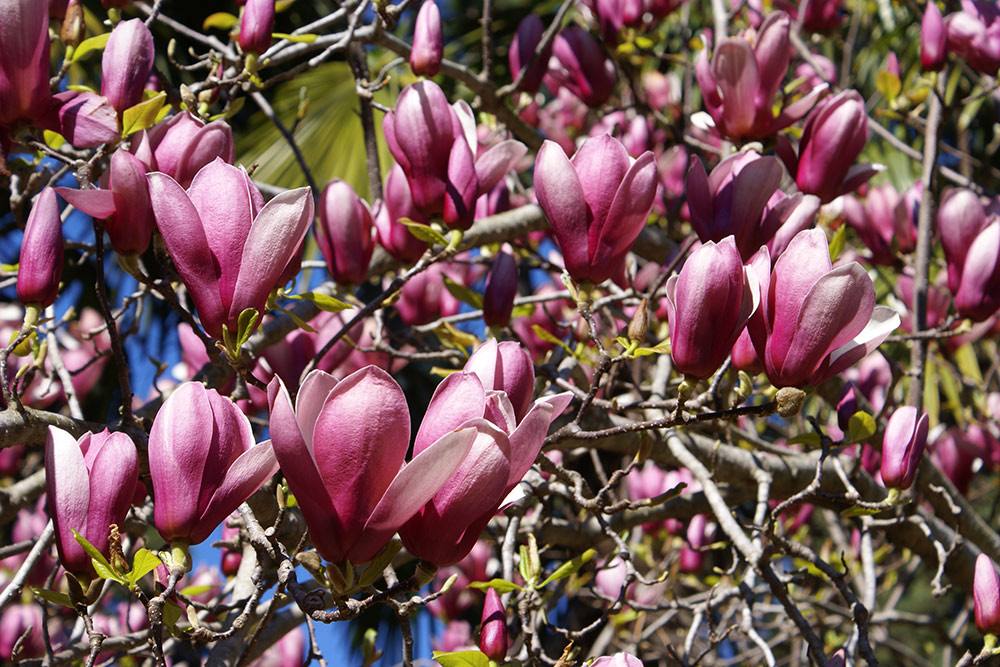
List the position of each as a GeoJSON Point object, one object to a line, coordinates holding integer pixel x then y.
{"type": "Point", "coordinates": [98, 204]}
{"type": "Point", "coordinates": [560, 195]}
{"type": "Point", "coordinates": [459, 398]}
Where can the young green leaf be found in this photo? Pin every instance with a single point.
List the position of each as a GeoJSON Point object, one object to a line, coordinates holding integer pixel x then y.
{"type": "Point", "coordinates": [569, 567]}
{"type": "Point", "coordinates": [499, 585]}
{"type": "Point", "coordinates": [462, 659]}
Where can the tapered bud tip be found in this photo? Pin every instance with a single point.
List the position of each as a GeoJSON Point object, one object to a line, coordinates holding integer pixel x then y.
{"type": "Point", "coordinates": [986, 594]}
{"type": "Point", "coordinates": [639, 325]}
{"type": "Point", "coordinates": [501, 288]}
{"type": "Point", "coordinates": [790, 400]}
{"type": "Point", "coordinates": [493, 636]}
{"type": "Point", "coordinates": [73, 29]}
{"type": "Point", "coordinates": [933, 38]}
{"type": "Point", "coordinates": [838, 659]}
{"type": "Point", "coordinates": [428, 41]}
{"type": "Point", "coordinates": [903, 446]}
{"type": "Point", "coordinates": [40, 267]}
{"type": "Point", "coordinates": [256, 26]}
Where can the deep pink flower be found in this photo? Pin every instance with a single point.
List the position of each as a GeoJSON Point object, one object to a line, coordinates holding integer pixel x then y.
{"type": "Point", "coordinates": [40, 267]}
{"type": "Point", "coordinates": [344, 233]}
{"type": "Point", "coordinates": [882, 222]}
{"type": "Point", "coordinates": [986, 595]}
{"type": "Point", "coordinates": [89, 484]}
{"type": "Point", "coordinates": [971, 241]}
{"type": "Point", "coordinates": [814, 320]}
{"type": "Point", "coordinates": [24, 60]}
{"type": "Point", "coordinates": [181, 145]}
{"type": "Point", "coordinates": [493, 632]}
{"type": "Point", "coordinates": [126, 64]}
{"type": "Point", "coordinates": [342, 448]}
{"type": "Point", "coordinates": [583, 69]}
{"type": "Point", "coordinates": [739, 85]}
{"type": "Point", "coordinates": [501, 288]}
{"type": "Point", "coordinates": [933, 38]}
{"type": "Point", "coordinates": [903, 446]}
{"type": "Point", "coordinates": [256, 26]}
{"type": "Point", "coordinates": [228, 246]}
{"type": "Point", "coordinates": [203, 463]}
{"type": "Point", "coordinates": [525, 43]}
{"type": "Point", "coordinates": [597, 203]}
{"type": "Point", "coordinates": [428, 41]}
{"type": "Point", "coordinates": [708, 305]}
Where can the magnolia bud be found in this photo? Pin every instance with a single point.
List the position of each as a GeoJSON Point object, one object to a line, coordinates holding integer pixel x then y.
{"type": "Point", "coordinates": [493, 635]}
{"type": "Point", "coordinates": [428, 41]}
{"type": "Point", "coordinates": [73, 29]}
{"type": "Point", "coordinates": [903, 446]}
{"type": "Point", "coordinates": [986, 594]}
{"type": "Point", "coordinates": [501, 288]}
{"type": "Point", "coordinates": [256, 26]}
{"type": "Point", "coordinates": [40, 268]}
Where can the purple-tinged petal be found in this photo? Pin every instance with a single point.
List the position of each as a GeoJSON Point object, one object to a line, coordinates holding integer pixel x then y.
{"type": "Point", "coordinates": [98, 204]}
{"type": "Point", "coordinates": [67, 485]}
{"type": "Point", "coordinates": [627, 214]}
{"type": "Point", "coordinates": [84, 119]}
{"type": "Point", "coordinates": [461, 189]}
{"type": "Point", "coordinates": [494, 164]}
{"type": "Point", "coordinates": [459, 398]}
{"type": "Point", "coordinates": [561, 197]}
{"type": "Point", "coordinates": [738, 79]}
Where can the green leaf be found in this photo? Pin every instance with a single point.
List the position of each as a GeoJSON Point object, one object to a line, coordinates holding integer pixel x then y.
{"type": "Point", "coordinates": [105, 572]}
{"type": "Point", "coordinates": [463, 293]}
{"type": "Point", "coordinates": [246, 325]}
{"type": "Point", "coordinates": [171, 614]}
{"type": "Point", "coordinates": [220, 20]}
{"type": "Point", "coordinates": [53, 597]}
{"type": "Point", "coordinates": [888, 84]}
{"type": "Point", "coordinates": [968, 364]}
{"type": "Point", "coordinates": [952, 392]}
{"type": "Point", "coordinates": [95, 43]}
{"type": "Point", "coordinates": [569, 567]}
{"type": "Point", "coordinates": [324, 302]}
{"type": "Point", "coordinates": [524, 310]}
{"type": "Point", "coordinates": [191, 591]}
{"type": "Point", "coordinates": [811, 439]}
{"type": "Point", "coordinates": [837, 242]}
{"type": "Point", "coordinates": [425, 233]}
{"type": "Point", "coordinates": [858, 510]}
{"type": "Point", "coordinates": [98, 558]}
{"type": "Point", "coordinates": [143, 115]}
{"type": "Point", "coordinates": [499, 585]}
{"type": "Point", "coordinates": [144, 562]}
{"type": "Point", "coordinates": [462, 659]}
{"type": "Point", "coordinates": [299, 322]}
{"type": "Point", "coordinates": [307, 38]}
{"type": "Point", "coordinates": [53, 139]}
{"type": "Point", "coordinates": [233, 109]}
{"type": "Point", "coordinates": [80, 88]}
{"type": "Point", "coordinates": [545, 335]}
{"type": "Point", "coordinates": [454, 338]}
{"type": "Point", "coordinates": [860, 427]}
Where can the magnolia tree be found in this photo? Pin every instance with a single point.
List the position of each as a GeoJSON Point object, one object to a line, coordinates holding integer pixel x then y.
{"type": "Point", "coordinates": [660, 332]}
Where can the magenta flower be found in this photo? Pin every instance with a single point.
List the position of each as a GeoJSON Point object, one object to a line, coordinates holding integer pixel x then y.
{"type": "Point", "coordinates": [203, 463]}
{"type": "Point", "coordinates": [933, 38]}
{"type": "Point", "coordinates": [814, 320]}
{"type": "Point", "coordinates": [181, 145]}
{"type": "Point", "coordinates": [740, 84]}
{"type": "Point", "coordinates": [436, 145]}
{"type": "Point", "coordinates": [428, 41]}
{"type": "Point", "coordinates": [835, 133]}
{"type": "Point", "coordinates": [126, 64]}
{"type": "Point", "coordinates": [617, 660]}
{"type": "Point", "coordinates": [882, 222]}
{"type": "Point", "coordinates": [974, 34]}
{"type": "Point", "coordinates": [708, 305]}
{"type": "Point", "coordinates": [392, 234]}
{"type": "Point", "coordinates": [85, 119]}
{"type": "Point", "coordinates": [596, 203]}
{"type": "Point", "coordinates": [494, 386]}
{"type": "Point", "coordinates": [501, 288]}
{"type": "Point", "coordinates": [344, 233]}
{"type": "Point", "coordinates": [583, 68]}
{"type": "Point", "coordinates": [971, 241]}
{"type": "Point", "coordinates": [89, 485]}
{"type": "Point", "coordinates": [256, 26]}
{"type": "Point", "coordinates": [40, 266]}
{"type": "Point", "coordinates": [986, 595]}
{"type": "Point", "coordinates": [525, 43]}
{"type": "Point", "coordinates": [903, 447]}
{"type": "Point", "coordinates": [124, 205]}
{"type": "Point", "coordinates": [228, 246]}
{"type": "Point", "coordinates": [24, 60]}
{"type": "Point", "coordinates": [493, 632]}
{"type": "Point", "coordinates": [740, 198]}
{"type": "Point", "coordinates": [342, 449]}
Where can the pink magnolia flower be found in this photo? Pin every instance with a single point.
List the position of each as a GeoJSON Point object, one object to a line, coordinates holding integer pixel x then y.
{"type": "Point", "coordinates": [493, 633]}
{"type": "Point", "coordinates": [501, 288]}
{"type": "Point", "coordinates": [522, 48]}
{"type": "Point", "coordinates": [903, 447]}
{"type": "Point", "coordinates": [835, 133]}
{"type": "Point", "coordinates": [740, 83]}
{"type": "Point", "coordinates": [882, 222]}
{"type": "Point", "coordinates": [124, 205]}
{"type": "Point", "coordinates": [986, 595]}
{"type": "Point", "coordinates": [41, 259]}
{"type": "Point", "coordinates": [814, 320]}
{"type": "Point", "coordinates": [344, 233]}
{"type": "Point", "coordinates": [494, 392]}
{"type": "Point", "coordinates": [126, 64]}
{"type": "Point", "coordinates": [933, 38]}
{"type": "Point", "coordinates": [256, 26]}
{"type": "Point", "coordinates": [342, 448]}
{"type": "Point", "coordinates": [182, 145]}
{"type": "Point", "coordinates": [597, 203]}
{"type": "Point", "coordinates": [24, 60]}
{"type": "Point", "coordinates": [974, 34]}
{"type": "Point", "coordinates": [228, 246]}
{"type": "Point", "coordinates": [580, 66]}
{"type": "Point", "coordinates": [617, 660]}
{"type": "Point", "coordinates": [971, 241]}
{"type": "Point", "coordinates": [708, 305]}
{"type": "Point", "coordinates": [436, 145]}
{"type": "Point", "coordinates": [392, 234]}
{"type": "Point", "coordinates": [89, 484]}
{"type": "Point", "coordinates": [203, 463]}
{"type": "Point", "coordinates": [428, 41]}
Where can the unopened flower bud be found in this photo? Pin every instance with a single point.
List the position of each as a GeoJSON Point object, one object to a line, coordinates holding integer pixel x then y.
{"type": "Point", "coordinates": [933, 38]}
{"type": "Point", "coordinates": [493, 635]}
{"type": "Point", "coordinates": [986, 594]}
{"type": "Point", "coordinates": [639, 325]}
{"type": "Point", "coordinates": [256, 26]}
{"type": "Point", "coordinates": [501, 288]}
{"type": "Point", "coordinates": [40, 267]}
{"type": "Point", "coordinates": [790, 401]}
{"type": "Point", "coordinates": [903, 446]}
{"type": "Point", "coordinates": [73, 29]}
{"type": "Point", "coordinates": [428, 41]}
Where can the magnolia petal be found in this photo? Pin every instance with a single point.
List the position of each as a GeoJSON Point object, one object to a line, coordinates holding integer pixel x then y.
{"type": "Point", "coordinates": [883, 322]}
{"type": "Point", "coordinates": [738, 80]}
{"type": "Point", "coordinates": [627, 214]}
{"type": "Point", "coordinates": [98, 204]}
{"type": "Point", "coordinates": [494, 164]}
{"type": "Point", "coordinates": [67, 486]}
{"type": "Point", "coordinates": [560, 195]}
{"type": "Point", "coordinates": [459, 398]}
